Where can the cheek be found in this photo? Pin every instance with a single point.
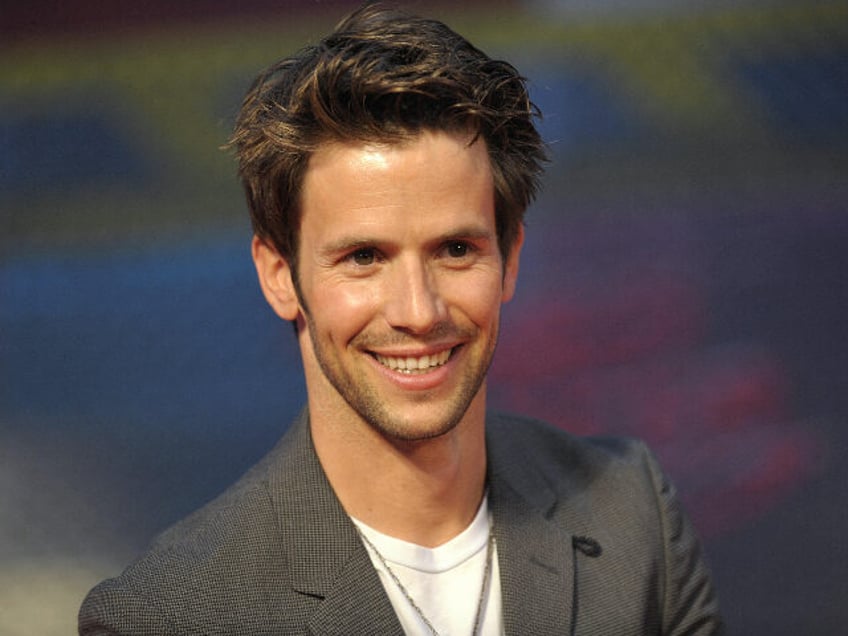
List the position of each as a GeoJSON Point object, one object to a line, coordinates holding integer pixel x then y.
{"type": "Point", "coordinates": [479, 300]}
{"type": "Point", "coordinates": [343, 309]}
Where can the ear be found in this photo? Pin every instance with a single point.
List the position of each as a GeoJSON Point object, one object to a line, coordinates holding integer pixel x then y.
{"type": "Point", "coordinates": [275, 279]}
{"type": "Point", "coordinates": [511, 266]}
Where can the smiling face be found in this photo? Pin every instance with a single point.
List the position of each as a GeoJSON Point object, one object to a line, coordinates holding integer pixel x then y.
{"type": "Point", "coordinates": [401, 283]}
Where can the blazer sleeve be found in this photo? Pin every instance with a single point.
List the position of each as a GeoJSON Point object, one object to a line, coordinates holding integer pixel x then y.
{"type": "Point", "coordinates": [115, 610]}
{"type": "Point", "coordinates": [690, 605]}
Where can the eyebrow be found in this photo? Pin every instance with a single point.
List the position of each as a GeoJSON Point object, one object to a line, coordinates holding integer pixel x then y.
{"type": "Point", "coordinates": [347, 244]}
{"type": "Point", "coordinates": [352, 243]}
{"type": "Point", "coordinates": [471, 232]}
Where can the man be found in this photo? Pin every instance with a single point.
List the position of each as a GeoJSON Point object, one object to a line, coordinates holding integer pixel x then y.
{"type": "Point", "coordinates": [387, 171]}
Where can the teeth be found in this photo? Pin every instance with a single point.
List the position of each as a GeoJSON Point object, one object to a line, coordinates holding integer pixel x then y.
{"type": "Point", "coordinates": [415, 365]}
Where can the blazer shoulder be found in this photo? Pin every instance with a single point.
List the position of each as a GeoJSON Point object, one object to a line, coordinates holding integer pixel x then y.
{"type": "Point", "coordinates": [194, 572]}
{"type": "Point", "coordinates": [550, 450]}
{"type": "Point", "coordinates": [584, 478]}
{"type": "Point", "coordinates": [612, 490]}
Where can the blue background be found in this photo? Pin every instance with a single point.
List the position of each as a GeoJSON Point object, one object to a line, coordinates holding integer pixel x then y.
{"type": "Point", "coordinates": [683, 280]}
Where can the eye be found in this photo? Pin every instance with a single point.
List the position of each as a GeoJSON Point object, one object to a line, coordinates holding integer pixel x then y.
{"type": "Point", "coordinates": [457, 249]}
{"type": "Point", "coordinates": [364, 256]}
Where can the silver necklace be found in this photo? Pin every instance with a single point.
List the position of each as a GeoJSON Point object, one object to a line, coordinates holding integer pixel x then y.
{"type": "Point", "coordinates": [490, 545]}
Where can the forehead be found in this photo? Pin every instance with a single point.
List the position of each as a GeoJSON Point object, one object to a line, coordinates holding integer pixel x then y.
{"type": "Point", "coordinates": [427, 158]}
{"type": "Point", "coordinates": [432, 162]}
{"type": "Point", "coordinates": [423, 142]}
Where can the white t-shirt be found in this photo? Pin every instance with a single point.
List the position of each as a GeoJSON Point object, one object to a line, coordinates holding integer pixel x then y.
{"type": "Point", "coordinates": [445, 581]}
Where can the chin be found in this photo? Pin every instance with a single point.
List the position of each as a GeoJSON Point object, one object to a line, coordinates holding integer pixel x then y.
{"type": "Point", "coordinates": [411, 432]}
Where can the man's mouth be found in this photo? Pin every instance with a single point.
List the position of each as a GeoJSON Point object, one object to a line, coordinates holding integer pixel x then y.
{"type": "Point", "coordinates": [414, 365]}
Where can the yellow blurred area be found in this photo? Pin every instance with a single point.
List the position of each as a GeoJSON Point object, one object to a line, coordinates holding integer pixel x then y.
{"type": "Point", "coordinates": [42, 595]}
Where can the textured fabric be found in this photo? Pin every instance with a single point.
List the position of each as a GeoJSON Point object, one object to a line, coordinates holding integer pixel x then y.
{"type": "Point", "coordinates": [591, 540]}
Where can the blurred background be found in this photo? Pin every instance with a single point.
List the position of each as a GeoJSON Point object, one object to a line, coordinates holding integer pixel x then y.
{"type": "Point", "coordinates": [684, 277]}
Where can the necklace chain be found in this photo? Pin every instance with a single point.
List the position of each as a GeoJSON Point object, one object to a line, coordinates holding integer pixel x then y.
{"type": "Point", "coordinates": [490, 544]}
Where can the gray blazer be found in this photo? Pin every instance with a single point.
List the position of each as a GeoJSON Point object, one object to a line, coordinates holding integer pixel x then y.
{"type": "Point", "coordinates": [591, 540]}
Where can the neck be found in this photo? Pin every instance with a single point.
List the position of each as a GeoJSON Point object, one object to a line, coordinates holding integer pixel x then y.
{"type": "Point", "coordinates": [425, 492]}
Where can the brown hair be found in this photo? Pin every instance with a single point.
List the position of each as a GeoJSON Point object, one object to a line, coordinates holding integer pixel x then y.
{"type": "Point", "coordinates": [383, 76]}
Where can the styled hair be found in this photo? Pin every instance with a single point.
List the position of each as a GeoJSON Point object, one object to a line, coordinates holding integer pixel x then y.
{"type": "Point", "coordinates": [382, 76]}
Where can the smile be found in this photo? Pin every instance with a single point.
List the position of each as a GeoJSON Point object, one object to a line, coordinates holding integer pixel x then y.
{"type": "Point", "coordinates": [410, 365]}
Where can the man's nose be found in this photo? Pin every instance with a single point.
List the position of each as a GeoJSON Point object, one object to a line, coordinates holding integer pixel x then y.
{"type": "Point", "coordinates": [413, 301]}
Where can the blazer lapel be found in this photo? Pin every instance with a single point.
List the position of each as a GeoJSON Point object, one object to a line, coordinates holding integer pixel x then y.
{"type": "Point", "coordinates": [356, 604]}
{"type": "Point", "coordinates": [535, 554]}
{"type": "Point", "coordinates": [331, 571]}
{"type": "Point", "coordinates": [340, 590]}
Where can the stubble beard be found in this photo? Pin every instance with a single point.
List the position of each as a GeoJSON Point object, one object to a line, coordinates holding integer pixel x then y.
{"type": "Point", "coordinates": [367, 402]}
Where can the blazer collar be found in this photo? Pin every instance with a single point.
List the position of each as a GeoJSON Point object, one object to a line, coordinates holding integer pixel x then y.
{"type": "Point", "coordinates": [329, 562]}
{"type": "Point", "coordinates": [535, 553]}
{"type": "Point", "coordinates": [326, 556]}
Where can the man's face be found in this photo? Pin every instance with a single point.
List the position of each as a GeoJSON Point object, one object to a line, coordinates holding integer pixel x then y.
{"type": "Point", "coordinates": [401, 282]}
